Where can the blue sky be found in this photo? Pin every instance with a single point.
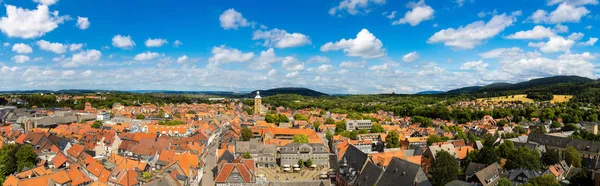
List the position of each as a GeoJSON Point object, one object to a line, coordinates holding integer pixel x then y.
{"type": "Point", "coordinates": [334, 46]}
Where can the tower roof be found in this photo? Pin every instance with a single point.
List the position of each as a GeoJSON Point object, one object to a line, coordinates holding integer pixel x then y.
{"type": "Point", "coordinates": [257, 95]}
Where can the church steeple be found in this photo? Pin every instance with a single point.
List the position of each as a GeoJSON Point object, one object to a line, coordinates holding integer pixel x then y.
{"type": "Point", "coordinates": [257, 103]}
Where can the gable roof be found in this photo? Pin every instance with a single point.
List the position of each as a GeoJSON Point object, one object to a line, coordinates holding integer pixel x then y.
{"type": "Point", "coordinates": [369, 175]}
{"type": "Point", "coordinates": [402, 172]}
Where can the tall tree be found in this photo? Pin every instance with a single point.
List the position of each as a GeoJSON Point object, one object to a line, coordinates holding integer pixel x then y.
{"type": "Point", "coordinates": [392, 140]}
{"type": "Point", "coordinates": [26, 157]}
{"type": "Point", "coordinates": [246, 134]}
{"type": "Point", "coordinates": [504, 182]}
{"type": "Point", "coordinates": [300, 138]}
{"type": "Point", "coordinates": [8, 161]}
{"type": "Point", "coordinates": [444, 168]}
{"type": "Point", "coordinates": [97, 124]}
{"type": "Point", "coordinates": [550, 157]}
{"type": "Point", "coordinates": [487, 155]}
{"type": "Point", "coordinates": [377, 128]}
{"type": "Point", "coordinates": [543, 180]}
{"type": "Point", "coordinates": [572, 156]}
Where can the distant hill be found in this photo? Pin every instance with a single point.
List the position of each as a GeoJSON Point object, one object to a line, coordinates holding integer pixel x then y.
{"type": "Point", "coordinates": [548, 84]}
{"type": "Point", "coordinates": [287, 90]}
{"type": "Point", "coordinates": [431, 92]}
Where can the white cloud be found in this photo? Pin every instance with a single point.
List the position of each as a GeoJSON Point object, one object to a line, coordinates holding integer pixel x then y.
{"type": "Point", "coordinates": [324, 68]}
{"type": "Point", "coordinates": [222, 54]}
{"type": "Point", "coordinates": [411, 57]}
{"type": "Point", "coordinates": [292, 74]}
{"type": "Point", "coordinates": [589, 27]}
{"type": "Point", "coordinates": [474, 65]}
{"type": "Point", "coordinates": [123, 42]}
{"type": "Point", "coordinates": [583, 56]}
{"type": "Point", "coordinates": [177, 43]}
{"type": "Point", "coordinates": [561, 28]}
{"type": "Point", "coordinates": [27, 24]}
{"type": "Point", "coordinates": [383, 67]}
{"type": "Point", "coordinates": [155, 42]}
{"type": "Point", "coordinates": [281, 38]}
{"type": "Point", "coordinates": [473, 34]}
{"type": "Point", "coordinates": [20, 58]}
{"type": "Point", "coordinates": [459, 3]}
{"type": "Point", "coordinates": [231, 19]}
{"type": "Point", "coordinates": [420, 12]}
{"type": "Point", "coordinates": [6, 44]}
{"type": "Point", "coordinates": [501, 52]}
{"type": "Point", "coordinates": [319, 59]}
{"type": "Point", "coordinates": [590, 42]}
{"type": "Point", "coordinates": [57, 48]}
{"type": "Point", "coordinates": [365, 45]}
{"type": "Point", "coordinates": [37, 59]}
{"type": "Point", "coordinates": [265, 59]}
{"type": "Point", "coordinates": [354, 7]}
{"type": "Point", "coordinates": [83, 57]}
{"type": "Point", "coordinates": [390, 15]}
{"type": "Point", "coordinates": [573, 2]}
{"type": "Point", "coordinates": [290, 63]}
{"type": "Point", "coordinates": [87, 73]}
{"type": "Point", "coordinates": [431, 68]}
{"type": "Point", "coordinates": [75, 47]}
{"type": "Point", "coordinates": [554, 44]}
{"type": "Point", "coordinates": [576, 36]}
{"type": "Point", "coordinates": [68, 73]}
{"type": "Point", "coordinates": [146, 56]}
{"type": "Point", "coordinates": [46, 2]}
{"type": "Point", "coordinates": [567, 64]}
{"type": "Point", "coordinates": [272, 72]}
{"type": "Point", "coordinates": [22, 48]}
{"type": "Point", "coordinates": [353, 64]}
{"type": "Point", "coordinates": [83, 23]}
{"type": "Point", "coordinates": [182, 59]}
{"type": "Point", "coordinates": [538, 32]}
{"type": "Point", "coordinates": [565, 12]}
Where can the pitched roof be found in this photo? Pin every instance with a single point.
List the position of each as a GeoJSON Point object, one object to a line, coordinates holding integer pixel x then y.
{"type": "Point", "coordinates": [369, 175]}
{"type": "Point", "coordinates": [402, 172]}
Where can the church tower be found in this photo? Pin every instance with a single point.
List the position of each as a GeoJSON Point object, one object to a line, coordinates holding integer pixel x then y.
{"type": "Point", "coordinates": [257, 103]}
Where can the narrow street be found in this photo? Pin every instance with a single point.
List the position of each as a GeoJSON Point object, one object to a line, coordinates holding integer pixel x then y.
{"type": "Point", "coordinates": [208, 178]}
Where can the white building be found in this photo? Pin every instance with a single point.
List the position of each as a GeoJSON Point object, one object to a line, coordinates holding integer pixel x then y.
{"type": "Point", "coordinates": [358, 124]}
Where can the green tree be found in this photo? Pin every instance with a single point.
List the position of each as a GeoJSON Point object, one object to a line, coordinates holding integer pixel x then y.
{"type": "Point", "coordinates": [328, 135]}
{"type": "Point", "coordinates": [300, 163]}
{"type": "Point", "coordinates": [140, 116]}
{"type": "Point", "coordinates": [247, 155]}
{"type": "Point", "coordinates": [148, 175]}
{"type": "Point", "coordinates": [26, 157]}
{"type": "Point", "coordinates": [572, 156]}
{"type": "Point", "coordinates": [487, 155]}
{"type": "Point", "coordinates": [444, 168]}
{"type": "Point", "coordinates": [434, 138]}
{"type": "Point", "coordinates": [377, 128]}
{"type": "Point", "coordinates": [97, 124]}
{"type": "Point", "coordinates": [504, 182]}
{"type": "Point", "coordinates": [392, 140]}
{"type": "Point", "coordinates": [308, 162]}
{"type": "Point", "coordinates": [329, 121]}
{"type": "Point", "coordinates": [425, 122]}
{"type": "Point", "coordinates": [581, 178]}
{"type": "Point", "coordinates": [301, 117]}
{"type": "Point", "coordinates": [501, 123]}
{"type": "Point", "coordinates": [363, 131]}
{"type": "Point", "coordinates": [505, 148]}
{"type": "Point", "coordinates": [340, 127]}
{"type": "Point", "coordinates": [316, 125]}
{"type": "Point", "coordinates": [543, 180]}
{"type": "Point", "coordinates": [550, 157]}
{"type": "Point", "coordinates": [300, 138]}
{"type": "Point", "coordinates": [246, 134]}
{"type": "Point", "coordinates": [523, 158]}
{"type": "Point", "coordinates": [8, 161]}
{"type": "Point", "coordinates": [353, 135]}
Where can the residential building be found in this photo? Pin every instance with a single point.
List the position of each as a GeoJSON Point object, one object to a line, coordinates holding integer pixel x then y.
{"type": "Point", "coordinates": [264, 155]}
{"type": "Point", "coordinates": [293, 152]}
{"type": "Point", "coordinates": [358, 124]}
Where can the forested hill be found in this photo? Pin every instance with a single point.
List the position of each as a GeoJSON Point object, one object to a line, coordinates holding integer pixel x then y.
{"type": "Point", "coordinates": [555, 85]}
{"type": "Point", "coordinates": [287, 90]}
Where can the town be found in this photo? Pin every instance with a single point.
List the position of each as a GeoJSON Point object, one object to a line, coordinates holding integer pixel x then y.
{"type": "Point", "coordinates": [228, 142]}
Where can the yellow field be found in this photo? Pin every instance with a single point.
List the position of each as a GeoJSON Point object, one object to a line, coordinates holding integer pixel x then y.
{"type": "Point", "coordinates": [523, 98]}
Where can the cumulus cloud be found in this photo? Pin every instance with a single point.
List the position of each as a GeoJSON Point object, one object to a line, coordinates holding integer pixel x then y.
{"type": "Point", "coordinates": [155, 42]}
{"type": "Point", "coordinates": [365, 45]}
{"type": "Point", "coordinates": [183, 59]}
{"type": "Point", "coordinates": [292, 74]}
{"type": "Point", "coordinates": [231, 19]}
{"type": "Point", "coordinates": [222, 54]}
{"type": "Point", "coordinates": [573, 2]}
{"type": "Point", "coordinates": [324, 68]}
{"type": "Point", "coordinates": [57, 48]}
{"type": "Point", "coordinates": [411, 57]}
{"type": "Point", "coordinates": [353, 64]}
{"type": "Point", "coordinates": [177, 43]}
{"type": "Point", "coordinates": [22, 48]}
{"type": "Point", "coordinates": [590, 42]}
{"type": "Point", "coordinates": [319, 59]}
{"type": "Point", "coordinates": [75, 47]}
{"type": "Point", "coordinates": [473, 34]}
{"type": "Point", "coordinates": [281, 38]}
{"type": "Point", "coordinates": [265, 59]}
{"type": "Point", "coordinates": [46, 2]}
{"type": "Point", "coordinates": [290, 64]}
{"type": "Point", "coordinates": [565, 12]}
{"type": "Point", "coordinates": [146, 56]}
{"type": "Point", "coordinates": [82, 58]}
{"type": "Point", "coordinates": [27, 24]}
{"type": "Point", "coordinates": [123, 42]}
{"type": "Point", "coordinates": [474, 65]}
{"type": "Point", "coordinates": [538, 32]}
{"type": "Point", "coordinates": [354, 7]}
{"type": "Point", "coordinates": [420, 12]}
{"type": "Point", "coordinates": [576, 36]}
{"type": "Point", "coordinates": [554, 44]}
{"type": "Point", "coordinates": [83, 23]}
{"type": "Point", "coordinates": [430, 69]}
{"type": "Point", "coordinates": [20, 58]}
{"type": "Point", "coordinates": [383, 67]}
{"type": "Point", "coordinates": [502, 52]}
